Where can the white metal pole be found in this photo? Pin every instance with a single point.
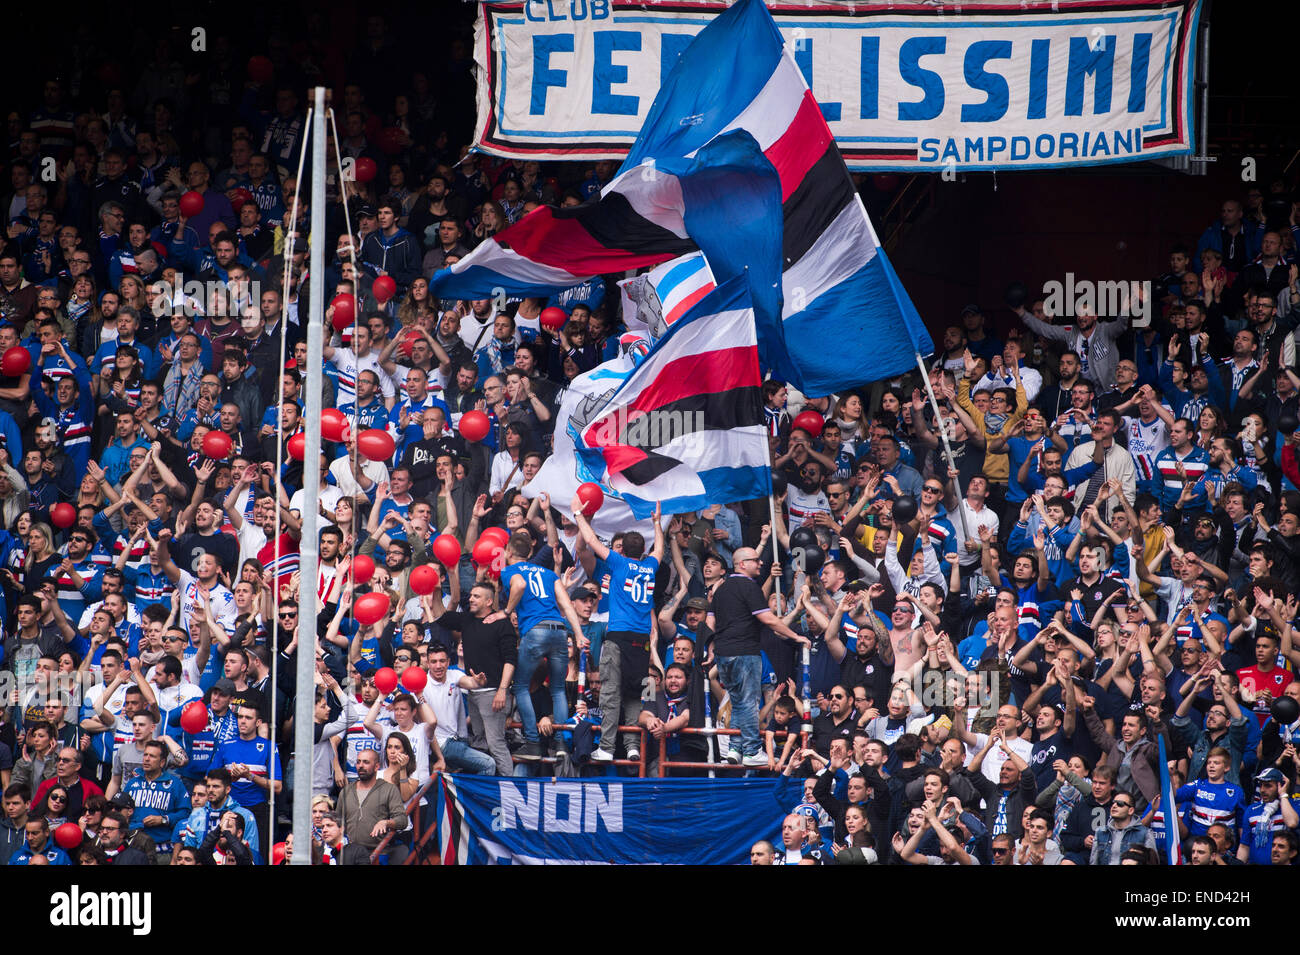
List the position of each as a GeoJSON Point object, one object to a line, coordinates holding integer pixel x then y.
{"type": "Point", "coordinates": [947, 448]}
{"type": "Point", "coordinates": [304, 695]}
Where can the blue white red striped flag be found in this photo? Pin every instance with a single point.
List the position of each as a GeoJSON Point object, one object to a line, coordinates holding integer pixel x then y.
{"type": "Point", "coordinates": [654, 301]}
{"type": "Point", "coordinates": [835, 282]}
{"type": "Point", "coordinates": [686, 426]}
{"type": "Point", "coordinates": [1168, 806]}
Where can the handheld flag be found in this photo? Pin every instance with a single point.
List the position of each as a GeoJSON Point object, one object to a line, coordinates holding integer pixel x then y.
{"type": "Point", "coordinates": [686, 427]}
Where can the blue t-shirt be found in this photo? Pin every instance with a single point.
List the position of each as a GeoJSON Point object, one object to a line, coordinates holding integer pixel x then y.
{"type": "Point", "coordinates": [631, 592]}
{"type": "Point", "coordinates": [260, 758]}
{"type": "Point", "coordinates": [538, 602]}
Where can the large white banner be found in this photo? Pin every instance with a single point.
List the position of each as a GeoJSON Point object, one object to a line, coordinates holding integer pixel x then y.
{"type": "Point", "coordinates": [903, 87]}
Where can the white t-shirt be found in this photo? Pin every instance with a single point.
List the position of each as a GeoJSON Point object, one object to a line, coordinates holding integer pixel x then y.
{"type": "Point", "coordinates": [349, 367]}
{"type": "Point", "coordinates": [347, 484]}
{"type": "Point", "coordinates": [222, 600]}
{"type": "Point", "coordinates": [984, 517]}
{"type": "Point", "coordinates": [329, 496]}
{"type": "Point", "coordinates": [448, 705]}
{"type": "Point", "coordinates": [1145, 441]}
{"type": "Point", "coordinates": [994, 759]}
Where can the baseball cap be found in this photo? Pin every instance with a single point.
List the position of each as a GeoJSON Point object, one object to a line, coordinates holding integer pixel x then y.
{"type": "Point", "coordinates": [972, 309]}
{"type": "Point", "coordinates": [122, 800]}
{"type": "Point", "coordinates": [697, 603]}
{"type": "Point", "coordinates": [224, 686]}
{"type": "Point", "coordinates": [1271, 775]}
{"type": "Point", "coordinates": [584, 590]}
{"type": "Point", "coordinates": [366, 210]}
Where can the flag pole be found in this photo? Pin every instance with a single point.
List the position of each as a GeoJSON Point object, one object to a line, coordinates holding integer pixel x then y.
{"type": "Point", "coordinates": [304, 690]}
{"type": "Point", "coordinates": [947, 448]}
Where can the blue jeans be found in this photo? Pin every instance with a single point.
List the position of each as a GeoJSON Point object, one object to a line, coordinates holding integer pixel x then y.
{"type": "Point", "coordinates": [463, 758]}
{"type": "Point", "coordinates": [549, 640]}
{"type": "Point", "coordinates": [741, 676]}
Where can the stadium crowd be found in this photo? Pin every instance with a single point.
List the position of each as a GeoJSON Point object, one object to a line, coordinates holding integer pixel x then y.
{"type": "Point", "coordinates": [1003, 646]}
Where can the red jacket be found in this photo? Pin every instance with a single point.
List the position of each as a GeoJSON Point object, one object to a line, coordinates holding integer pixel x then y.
{"type": "Point", "coordinates": [76, 801]}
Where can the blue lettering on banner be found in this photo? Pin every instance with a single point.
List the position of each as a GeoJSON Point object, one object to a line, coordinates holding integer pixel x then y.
{"type": "Point", "coordinates": [994, 85]}
{"type": "Point", "coordinates": [544, 44]}
{"type": "Point", "coordinates": [869, 86]}
{"type": "Point", "coordinates": [1085, 84]}
{"type": "Point", "coordinates": [1087, 58]}
{"type": "Point", "coordinates": [928, 81]}
{"type": "Point", "coordinates": [603, 100]}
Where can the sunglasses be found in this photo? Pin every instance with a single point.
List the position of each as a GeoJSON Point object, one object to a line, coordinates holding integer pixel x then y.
{"type": "Point", "coordinates": [284, 616]}
{"type": "Point", "coordinates": [1000, 852]}
{"type": "Point", "coordinates": [933, 490]}
{"type": "Point", "coordinates": [838, 696]}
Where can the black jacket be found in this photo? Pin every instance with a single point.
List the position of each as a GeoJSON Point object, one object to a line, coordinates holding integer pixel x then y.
{"type": "Point", "coordinates": [1020, 797]}
{"type": "Point", "coordinates": [877, 806]}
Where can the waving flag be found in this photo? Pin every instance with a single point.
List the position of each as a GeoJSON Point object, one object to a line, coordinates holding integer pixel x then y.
{"type": "Point", "coordinates": [837, 284]}
{"type": "Point", "coordinates": [654, 301]}
{"type": "Point", "coordinates": [686, 427]}
{"type": "Point", "coordinates": [564, 470]}
{"type": "Point", "coordinates": [638, 224]}
{"type": "Point", "coordinates": [1168, 807]}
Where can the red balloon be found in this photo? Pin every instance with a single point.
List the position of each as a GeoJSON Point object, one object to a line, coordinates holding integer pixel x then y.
{"type": "Point", "coordinates": [217, 445]}
{"type": "Point", "coordinates": [194, 717]}
{"type": "Point", "coordinates": [498, 534]}
{"type": "Point", "coordinates": [810, 421]}
{"type": "Point", "coordinates": [260, 69]}
{"type": "Point", "coordinates": [474, 425]}
{"type": "Point", "coordinates": [16, 361]}
{"type": "Point", "coordinates": [370, 608]}
{"type": "Point", "coordinates": [364, 169]}
{"type": "Point", "coordinates": [424, 579]}
{"type": "Point", "coordinates": [333, 423]}
{"type": "Point", "coordinates": [408, 342]}
{"type": "Point", "coordinates": [485, 551]}
{"type": "Point", "coordinates": [447, 549]}
{"type": "Point", "coordinates": [278, 853]}
{"type": "Point", "coordinates": [414, 678]}
{"type": "Point", "coordinates": [553, 318]}
{"type": "Point", "coordinates": [63, 515]}
{"type": "Point", "coordinates": [376, 445]}
{"type": "Point", "coordinates": [390, 140]}
{"type": "Point", "coordinates": [363, 568]}
{"type": "Point", "coordinates": [385, 678]}
{"type": "Point", "coordinates": [239, 198]}
{"type": "Point", "coordinates": [191, 204]}
{"type": "Point", "coordinates": [345, 311]}
{"type": "Point", "coordinates": [68, 835]}
{"type": "Point", "coordinates": [298, 446]}
{"type": "Point", "coordinates": [383, 288]}
{"type": "Point", "coordinates": [591, 496]}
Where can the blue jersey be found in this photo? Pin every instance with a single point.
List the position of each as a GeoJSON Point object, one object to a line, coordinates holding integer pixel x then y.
{"type": "Point", "coordinates": [259, 756]}
{"type": "Point", "coordinates": [53, 853]}
{"type": "Point", "coordinates": [1259, 828]}
{"type": "Point", "coordinates": [538, 602]}
{"type": "Point", "coordinates": [203, 820]}
{"type": "Point", "coordinates": [165, 796]}
{"type": "Point", "coordinates": [631, 592]}
{"type": "Point", "coordinates": [200, 746]}
{"type": "Point", "coordinates": [1212, 803]}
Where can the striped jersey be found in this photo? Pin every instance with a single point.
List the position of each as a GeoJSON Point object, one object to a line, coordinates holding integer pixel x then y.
{"type": "Point", "coordinates": [1212, 803]}
{"type": "Point", "coordinates": [1146, 439]}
